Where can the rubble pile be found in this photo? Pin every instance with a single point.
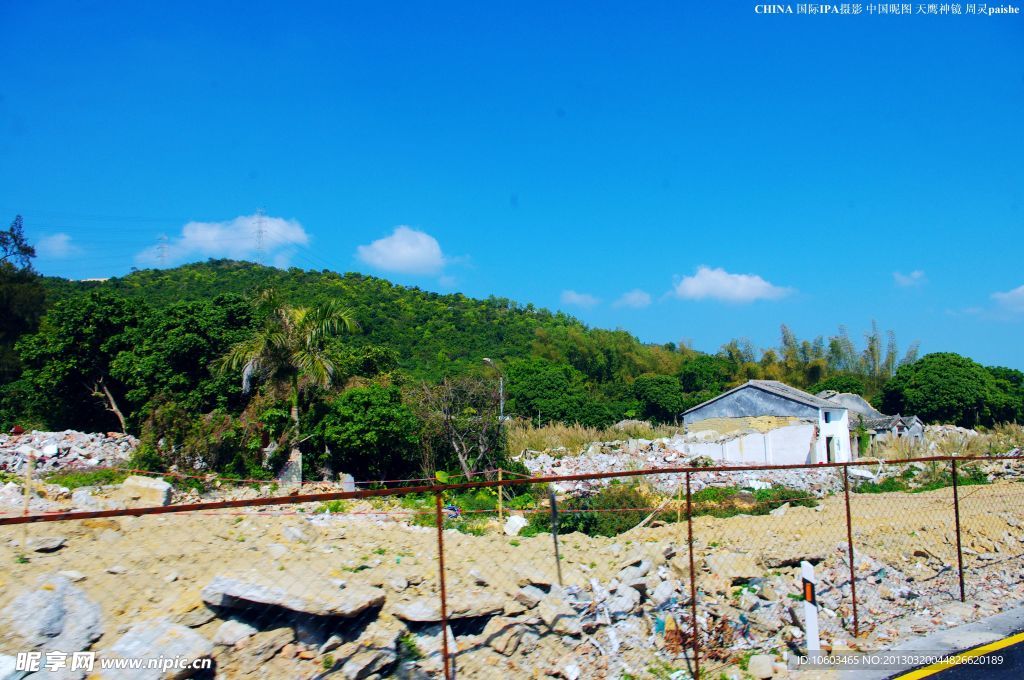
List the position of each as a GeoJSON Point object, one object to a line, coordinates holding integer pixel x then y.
{"type": "Point", "coordinates": [64, 450]}
{"type": "Point", "coordinates": [668, 452]}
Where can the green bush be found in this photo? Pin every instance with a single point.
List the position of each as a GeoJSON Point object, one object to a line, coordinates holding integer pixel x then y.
{"type": "Point", "coordinates": [74, 479]}
{"type": "Point", "coordinates": [609, 512]}
{"type": "Point", "coordinates": [887, 485]}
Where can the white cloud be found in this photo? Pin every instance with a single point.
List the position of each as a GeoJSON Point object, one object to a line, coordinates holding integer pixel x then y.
{"type": "Point", "coordinates": [57, 246]}
{"type": "Point", "coordinates": [407, 251]}
{"type": "Point", "coordinates": [1011, 301]}
{"type": "Point", "coordinates": [571, 297]}
{"type": "Point", "coordinates": [635, 298]}
{"type": "Point", "coordinates": [914, 278]}
{"type": "Point", "coordinates": [718, 284]}
{"type": "Point", "coordinates": [236, 239]}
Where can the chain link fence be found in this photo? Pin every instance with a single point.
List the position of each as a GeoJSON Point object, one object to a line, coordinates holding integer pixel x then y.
{"type": "Point", "coordinates": [673, 573]}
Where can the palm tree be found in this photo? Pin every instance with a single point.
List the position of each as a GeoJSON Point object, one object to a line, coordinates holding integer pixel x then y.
{"type": "Point", "coordinates": [289, 349]}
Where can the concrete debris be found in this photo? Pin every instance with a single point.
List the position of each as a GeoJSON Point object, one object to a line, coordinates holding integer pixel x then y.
{"type": "Point", "coordinates": [297, 595]}
{"type": "Point", "coordinates": [154, 640]}
{"type": "Point", "coordinates": [64, 450]}
{"type": "Point", "coordinates": [54, 616]}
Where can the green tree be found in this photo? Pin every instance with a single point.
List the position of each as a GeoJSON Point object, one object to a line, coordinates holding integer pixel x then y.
{"type": "Point", "coordinates": [288, 349]}
{"type": "Point", "coordinates": [944, 388]}
{"type": "Point", "coordinates": [22, 297]}
{"type": "Point", "coordinates": [171, 353]}
{"type": "Point", "coordinates": [660, 397]}
{"type": "Point", "coordinates": [707, 373]}
{"type": "Point", "coordinates": [369, 433]}
{"type": "Point", "coordinates": [546, 392]}
{"type": "Point", "coordinates": [68, 361]}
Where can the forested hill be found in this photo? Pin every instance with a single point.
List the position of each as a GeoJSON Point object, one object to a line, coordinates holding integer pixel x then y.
{"type": "Point", "coordinates": [432, 334]}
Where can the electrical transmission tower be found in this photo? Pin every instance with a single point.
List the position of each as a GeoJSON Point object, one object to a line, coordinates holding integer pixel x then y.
{"type": "Point", "coordinates": [260, 231]}
{"type": "Point", "coordinates": [161, 250]}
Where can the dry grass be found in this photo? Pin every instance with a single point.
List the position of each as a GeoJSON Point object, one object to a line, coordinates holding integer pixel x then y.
{"type": "Point", "coordinates": [522, 434]}
{"type": "Point", "coordinates": [995, 441]}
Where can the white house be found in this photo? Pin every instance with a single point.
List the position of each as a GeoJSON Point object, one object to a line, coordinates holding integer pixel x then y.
{"type": "Point", "coordinates": [816, 431]}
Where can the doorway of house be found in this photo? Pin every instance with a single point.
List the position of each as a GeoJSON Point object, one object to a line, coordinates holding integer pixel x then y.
{"type": "Point", "coordinates": [828, 450]}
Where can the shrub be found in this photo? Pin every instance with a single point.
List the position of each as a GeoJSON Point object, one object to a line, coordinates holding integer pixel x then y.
{"type": "Point", "coordinates": [612, 510]}
{"type": "Point", "coordinates": [887, 485]}
{"type": "Point", "coordinates": [73, 479]}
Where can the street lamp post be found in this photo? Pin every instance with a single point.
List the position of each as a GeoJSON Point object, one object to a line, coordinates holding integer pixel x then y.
{"type": "Point", "coordinates": [501, 390]}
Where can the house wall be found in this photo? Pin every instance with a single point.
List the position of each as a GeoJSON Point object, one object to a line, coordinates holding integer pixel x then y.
{"type": "Point", "coordinates": [750, 401]}
{"type": "Point", "coordinates": [838, 428]}
{"type": "Point", "coordinates": [789, 445]}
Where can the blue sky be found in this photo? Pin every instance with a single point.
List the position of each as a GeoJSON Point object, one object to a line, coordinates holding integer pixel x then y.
{"type": "Point", "coordinates": [681, 170]}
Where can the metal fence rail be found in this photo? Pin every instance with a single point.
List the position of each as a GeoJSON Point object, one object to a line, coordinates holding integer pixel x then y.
{"type": "Point", "coordinates": [690, 582]}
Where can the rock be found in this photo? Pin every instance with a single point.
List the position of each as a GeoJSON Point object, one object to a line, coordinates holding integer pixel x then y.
{"type": "Point", "coordinates": [277, 551]}
{"type": "Point", "coordinates": [571, 672]}
{"type": "Point", "coordinates": [761, 666]}
{"type": "Point", "coordinates": [732, 566]}
{"type": "Point", "coordinates": [680, 566]}
{"type": "Point", "coordinates": [83, 499]}
{"type": "Point", "coordinates": [329, 645]}
{"type": "Point", "coordinates": [261, 646]}
{"type": "Point", "coordinates": [623, 603]}
{"type": "Point", "coordinates": [664, 592]}
{"type": "Point", "coordinates": [779, 511]}
{"type": "Point", "coordinates": [56, 616]}
{"type": "Point", "coordinates": [304, 594]}
{"type": "Point", "coordinates": [71, 575]}
{"type": "Point", "coordinates": [47, 545]}
{"type": "Point", "coordinates": [503, 634]}
{"type": "Point", "coordinates": [764, 620]}
{"type": "Point", "coordinates": [558, 615]}
{"type": "Point", "coordinates": [529, 596]}
{"type": "Point", "coordinates": [116, 569]}
{"type": "Point", "coordinates": [155, 639]}
{"type": "Point", "coordinates": [295, 534]}
{"type": "Point", "coordinates": [460, 606]}
{"type": "Point", "coordinates": [397, 583]}
{"type": "Point", "coordinates": [196, 617]}
{"type": "Point", "coordinates": [514, 524]}
{"type": "Point", "coordinates": [428, 641]}
{"type": "Point", "coordinates": [231, 632]}
{"type": "Point", "coordinates": [478, 578]}
{"type": "Point", "coordinates": [634, 572]}
{"type": "Point", "coordinates": [7, 666]}
{"type": "Point", "coordinates": [767, 592]}
{"type": "Point", "coordinates": [145, 491]}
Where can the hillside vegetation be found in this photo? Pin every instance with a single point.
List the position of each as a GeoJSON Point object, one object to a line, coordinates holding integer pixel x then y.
{"type": "Point", "coordinates": [405, 389]}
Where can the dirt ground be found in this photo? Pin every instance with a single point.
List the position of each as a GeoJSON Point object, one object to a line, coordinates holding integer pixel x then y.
{"type": "Point", "coordinates": [147, 567]}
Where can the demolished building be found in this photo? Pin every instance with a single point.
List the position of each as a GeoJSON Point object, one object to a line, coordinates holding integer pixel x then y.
{"type": "Point", "coordinates": [781, 424]}
{"type": "Point", "coordinates": [867, 419]}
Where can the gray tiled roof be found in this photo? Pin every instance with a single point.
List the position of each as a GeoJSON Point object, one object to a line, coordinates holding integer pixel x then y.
{"type": "Point", "coordinates": [779, 389]}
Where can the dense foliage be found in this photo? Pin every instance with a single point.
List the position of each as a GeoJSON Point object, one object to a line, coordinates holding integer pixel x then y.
{"type": "Point", "coordinates": [407, 391]}
{"type": "Point", "coordinates": [946, 387]}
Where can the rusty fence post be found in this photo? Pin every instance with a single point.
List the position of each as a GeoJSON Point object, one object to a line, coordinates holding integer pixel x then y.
{"type": "Point", "coordinates": [501, 498]}
{"type": "Point", "coordinates": [444, 594]}
{"type": "Point", "coordinates": [849, 545]}
{"type": "Point", "coordinates": [956, 519]}
{"type": "Point", "coordinates": [694, 629]}
{"type": "Point", "coordinates": [554, 532]}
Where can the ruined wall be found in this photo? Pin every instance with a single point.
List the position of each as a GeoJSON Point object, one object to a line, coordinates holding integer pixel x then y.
{"type": "Point", "coordinates": [788, 445]}
{"type": "Point", "coordinates": [751, 401]}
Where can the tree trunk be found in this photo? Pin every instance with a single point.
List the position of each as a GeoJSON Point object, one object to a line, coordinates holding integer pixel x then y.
{"type": "Point", "coordinates": [111, 404]}
{"type": "Point", "coordinates": [295, 417]}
